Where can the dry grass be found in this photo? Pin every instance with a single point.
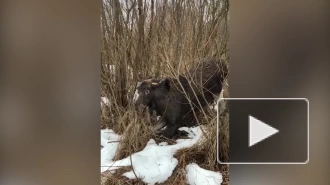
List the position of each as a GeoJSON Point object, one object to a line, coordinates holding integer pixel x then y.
{"type": "Point", "coordinates": [204, 153]}
{"type": "Point", "coordinates": [134, 138]}
{"type": "Point", "coordinates": [157, 39]}
{"type": "Point", "coordinates": [118, 179]}
{"type": "Point", "coordinates": [195, 154]}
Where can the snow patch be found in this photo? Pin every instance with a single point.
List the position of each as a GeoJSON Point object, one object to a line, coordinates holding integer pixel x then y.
{"type": "Point", "coordinates": [136, 96]}
{"type": "Point", "coordinates": [198, 176]}
{"type": "Point", "coordinates": [109, 144]}
{"type": "Point", "coordinates": [222, 102]}
{"type": "Point", "coordinates": [155, 163]}
{"type": "Point", "coordinates": [136, 93]}
{"type": "Point", "coordinates": [105, 101]}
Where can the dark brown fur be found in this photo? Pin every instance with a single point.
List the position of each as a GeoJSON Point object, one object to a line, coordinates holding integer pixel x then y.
{"type": "Point", "coordinates": [176, 99]}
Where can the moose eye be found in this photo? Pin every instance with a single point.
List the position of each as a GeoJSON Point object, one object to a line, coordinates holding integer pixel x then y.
{"type": "Point", "coordinates": [146, 92]}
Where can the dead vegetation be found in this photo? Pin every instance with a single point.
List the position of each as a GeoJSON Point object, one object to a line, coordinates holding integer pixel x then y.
{"type": "Point", "coordinates": [135, 131]}
{"type": "Point", "coordinates": [157, 39]}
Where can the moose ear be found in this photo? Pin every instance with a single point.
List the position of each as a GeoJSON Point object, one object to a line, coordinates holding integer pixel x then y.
{"type": "Point", "coordinates": [154, 84]}
{"type": "Point", "coordinates": [165, 83]}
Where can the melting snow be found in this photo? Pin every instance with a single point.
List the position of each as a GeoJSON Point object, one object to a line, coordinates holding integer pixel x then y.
{"type": "Point", "coordinates": [155, 163]}
{"type": "Point", "coordinates": [199, 176]}
{"type": "Point", "coordinates": [109, 145]}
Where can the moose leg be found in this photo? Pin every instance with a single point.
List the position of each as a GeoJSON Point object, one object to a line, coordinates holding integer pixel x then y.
{"type": "Point", "coordinates": [172, 125]}
{"type": "Point", "coordinates": [170, 131]}
{"type": "Point", "coordinates": [157, 128]}
{"type": "Point", "coordinates": [174, 133]}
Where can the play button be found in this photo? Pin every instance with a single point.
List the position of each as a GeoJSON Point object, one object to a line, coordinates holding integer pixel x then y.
{"type": "Point", "coordinates": [264, 131]}
{"type": "Point", "coordinates": [258, 131]}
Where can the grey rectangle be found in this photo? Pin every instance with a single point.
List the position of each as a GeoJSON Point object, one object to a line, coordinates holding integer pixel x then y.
{"type": "Point", "coordinates": [266, 109]}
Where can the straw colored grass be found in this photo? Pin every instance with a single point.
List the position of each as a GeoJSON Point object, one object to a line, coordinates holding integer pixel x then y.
{"type": "Point", "coordinates": [134, 138]}
{"type": "Point", "coordinates": [202, 153]}
{"type": "Point", "coordinates": [159, 38]}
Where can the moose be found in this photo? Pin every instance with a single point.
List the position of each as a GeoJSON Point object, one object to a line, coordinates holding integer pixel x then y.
{"type": "Point", "coordinates": [176, 100]}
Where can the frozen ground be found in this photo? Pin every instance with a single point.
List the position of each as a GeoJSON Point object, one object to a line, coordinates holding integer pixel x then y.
{"type": "Point", "coordinates": [155, 163]}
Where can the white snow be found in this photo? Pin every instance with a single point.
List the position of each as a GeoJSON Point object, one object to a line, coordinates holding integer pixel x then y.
{"type": "Point", "coordinates": [155, 163]}
{"type": "Point", "coordinates": [198, 176]}
{"type": "Point", "coordinates": [109, 145]}
{"type": "Point", "coordinates": [105, 101]}
{"type": "Point", "coordinates": [111, 67]}
{"type": "Point", "coordinates": [222, 104]}
{"type": "Point", "coordinates": [136, 94]}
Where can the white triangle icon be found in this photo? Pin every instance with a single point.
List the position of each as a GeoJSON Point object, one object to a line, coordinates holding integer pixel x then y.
{"type": "Point", "coordinates": [259, 131]}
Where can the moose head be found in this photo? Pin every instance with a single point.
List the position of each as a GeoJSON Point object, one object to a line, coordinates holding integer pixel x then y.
{"type": "Point", "coordinates": [147, 91]}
